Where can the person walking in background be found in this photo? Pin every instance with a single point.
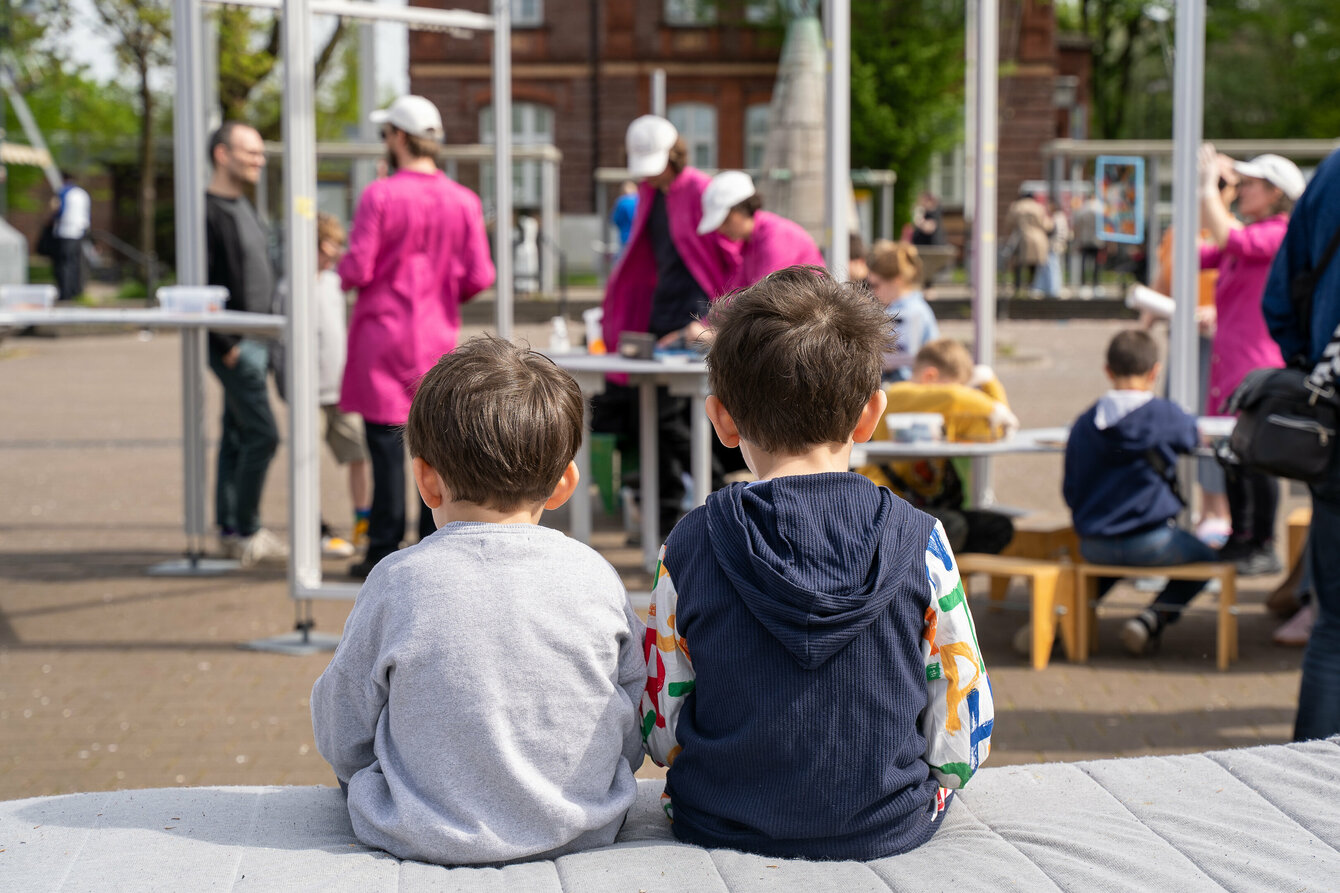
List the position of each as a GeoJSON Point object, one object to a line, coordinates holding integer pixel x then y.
{"type": "Point", "coordinates": [1029, 233]}
{"type": "Point", "coordinates": [768, 243]}
{"type": "Point", "coordinates": [625, 210]}
{"type": "Point", "coordinates": [927, 221]}
{"type": "Point", "coordinates": [1088, 224]}
{"type": "Point", "coordinates": [238, 258]}
{"type": "Point", "coordinates": [894, 279]}
{"type": "Point", "coordinates": [1302, 339]}
{"type": "Point", "coordinates": [71, 228]}
{"type": "Point", "coordinates": [1242, 253]}
{"type": "Point", "coordinates": [418, 250]}
{"type": "Point", "coordinates": [1050, 279]}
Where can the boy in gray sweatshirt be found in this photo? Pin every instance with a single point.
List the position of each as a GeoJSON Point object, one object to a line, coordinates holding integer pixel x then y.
{"type": "Point", "coordinates": [482, 705]}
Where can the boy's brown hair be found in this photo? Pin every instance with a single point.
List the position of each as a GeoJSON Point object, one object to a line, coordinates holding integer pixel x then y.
{"type": "Point", "coordinates": [948, 357]}
{"type": "Point", "coordinates": [498, 422]}
{"type": "Point", "coordinates": [1132, 352]}
{"type": "Point", "coordinates": [796, 357]}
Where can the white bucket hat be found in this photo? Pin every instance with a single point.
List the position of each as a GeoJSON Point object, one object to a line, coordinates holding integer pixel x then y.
{"type": "Point", "coordinates": [1279, 172]}
{"type": "Point", "coordinates": [726, 190]}
{"type": "Point", "coordinates": [649, 140]}
{"type": "Point", "coordinates": [412, 114]}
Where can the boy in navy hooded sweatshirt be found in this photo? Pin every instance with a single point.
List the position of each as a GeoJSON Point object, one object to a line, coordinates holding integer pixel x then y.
{"type": "Point", "coordinates": [1121, 488]}
{"type": "Point", "coordinates": [814, 681]}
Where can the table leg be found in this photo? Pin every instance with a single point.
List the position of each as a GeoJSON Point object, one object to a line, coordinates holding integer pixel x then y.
{"type": "Point", "coordinates": [702, 450]}
{"type": "Point", "coordinates": [581, 497]}
{"type": "Point", "coordinates": [649, 447]}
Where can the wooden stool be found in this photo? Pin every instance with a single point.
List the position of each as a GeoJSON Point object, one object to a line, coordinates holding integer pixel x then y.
{"type": "Point", "coordinates": [1053, 542]}
{"type": "Point", "coordinates": [1053, 586]}
{"type": "Point", "coordinates": [1086, 586]}
{"type": "Point", "coordinates": [1300, 521]}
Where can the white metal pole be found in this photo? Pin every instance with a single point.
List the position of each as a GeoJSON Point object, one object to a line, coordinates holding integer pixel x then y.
{"type": "Point", "coordinates": [658, 92]}
{"type": "Point", "coordinates": [837, 189]}
{"type": "Point", "coordinates": [984, 209]}
{"type": "Point", "coordinates": [970, 113]}
{"type": "Point", "coordinates": [502, 163]}
{"type": "Point", "coordinates": [212, 112]}
{"type": "Point", "coordinates": [299, 124]}
{"type": "Point", "coordinates": [1188, 121]}
{"type": "Point", "coordinates": [365, 169]}
{"type": "Point", "coordinates": [190, 178]}
{"type": "Point", "coordinates": [549, 226]}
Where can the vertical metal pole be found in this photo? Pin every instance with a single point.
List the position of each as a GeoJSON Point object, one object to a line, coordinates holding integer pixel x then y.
{"type": "Point", "coordinates": [886, 212]}
{"type": "Point", "coordinates": [658, 92]}
{"type": "Point", "coordinates": [212, 111]}
{"type": "Point", "coordinates": [1153, 231]}
{"type": "Point", "coordinates": [970, 115]}
{"type": "Point", "coordinates": [502, 164]}
{"type": "Point", "coordinates": [301, 261]}
{"type": "Point", "coordinates": [549, 225]}
{"type": "Point", "coordinates": [190, 178]}
{"type": "Point", "coordinates": [365, 169]}
{"type": "Point", "coordinates": [1076, 268]}
{"type": "Point", "coordinates": [837, 188]}
{"type": "Point", "coordinates": [984, 221]}
{"type": "Point", "coordinates": [1188, 121]}
{"type": "Point", "coordinates": [603, 221]}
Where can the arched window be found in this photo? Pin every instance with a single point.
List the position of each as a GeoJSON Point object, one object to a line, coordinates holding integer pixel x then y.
{"type": "Point", "coordinates": [697, 124]}
{"type": "Point", "coordinates": [532, 125]}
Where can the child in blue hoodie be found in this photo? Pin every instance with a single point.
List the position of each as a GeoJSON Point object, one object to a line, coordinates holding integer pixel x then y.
{"type": "Point", "coordinates": [814, 682]}
{"type": "Point", "coordinates": [1121, 485]}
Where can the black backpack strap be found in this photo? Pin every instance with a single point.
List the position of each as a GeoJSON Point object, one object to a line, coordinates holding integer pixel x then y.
{"type": "Point", "coordinates": [1166, 470]}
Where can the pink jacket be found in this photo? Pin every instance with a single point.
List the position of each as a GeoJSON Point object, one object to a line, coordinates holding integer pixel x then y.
{"type": "Point", "coordinates": [777, 243]}
{"type": "Point", "coordinates": [1241, 341]}
{"type": "Point", "coordinates": [417, 251]}
{"type": "Point", "coordinates": [711, 260]}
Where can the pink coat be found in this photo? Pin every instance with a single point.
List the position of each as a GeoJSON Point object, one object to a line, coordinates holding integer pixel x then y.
{"type": "Point", "coordinates": [1241, 341]}
{"type": "Point", "coordinates": [417, 251]}
{"type": "Point", "coordinates": [711, 260]}
{"type": "Point", "coordinates": [777, 243]}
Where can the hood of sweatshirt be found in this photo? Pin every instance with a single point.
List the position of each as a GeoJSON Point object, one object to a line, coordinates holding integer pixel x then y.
{"type": "Point", "coordinates": [812, 556]}
{"type": "Point", "coordinates": [1135, 425]}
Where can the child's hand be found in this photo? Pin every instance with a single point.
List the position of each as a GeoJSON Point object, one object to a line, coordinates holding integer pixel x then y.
{"type": "Point", "coordinates": [1002, 420]}
{"type": "Point", "coordinates": [1207, 320]}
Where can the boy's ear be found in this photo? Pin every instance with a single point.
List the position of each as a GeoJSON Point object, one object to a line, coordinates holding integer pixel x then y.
{"type": "Point", "coordinates": [429, 482]}
{"type": "Point", "coordinates": [566, 486]}
{"type": "Point", "coordinates": [722, 423]}
{"type": "Point", "coordinates": [870, 416]}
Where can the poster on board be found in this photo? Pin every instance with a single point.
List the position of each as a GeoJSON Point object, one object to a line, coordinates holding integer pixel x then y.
{"type": "Point", "coordinates": [1120, 183]}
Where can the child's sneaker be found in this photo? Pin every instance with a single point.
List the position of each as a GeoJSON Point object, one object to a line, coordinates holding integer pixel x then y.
{"type": "Point", "coordinates": [360, 534]}
{"type": "Point", "coordinates": [336, 547]}
{"type": "Point", "coordinates": [1214, 532]}
{"type": "Point", "coordinates": [1141, 632]}
{"type": "Point", "coordinates": [262, 546]}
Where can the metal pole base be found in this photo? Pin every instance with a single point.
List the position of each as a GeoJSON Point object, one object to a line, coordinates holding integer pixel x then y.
{"type": "Point", "coordinates": [194, 566]}
{"type": "Point", "coordinates": [301, 641]}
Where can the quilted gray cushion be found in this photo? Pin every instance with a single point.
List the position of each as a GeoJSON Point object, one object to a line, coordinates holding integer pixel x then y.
{"type": "Point", "coordinates": [1264, 818]}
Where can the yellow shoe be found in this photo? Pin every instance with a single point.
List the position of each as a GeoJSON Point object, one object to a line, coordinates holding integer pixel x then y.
{"type": "Point", "coordinates": [360, 536]}
{"type": "Point", "coordinates": [336, 547]}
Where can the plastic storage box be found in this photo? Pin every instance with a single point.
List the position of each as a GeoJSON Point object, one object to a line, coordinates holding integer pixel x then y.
{"type": "Point", "coordinates": [27, 297]}
{"type": "Point", "coordinates": [192, 298]}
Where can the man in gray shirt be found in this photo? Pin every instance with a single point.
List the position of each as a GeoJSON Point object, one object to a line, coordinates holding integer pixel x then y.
{"type": "Point", "coordinates": [239, 260]}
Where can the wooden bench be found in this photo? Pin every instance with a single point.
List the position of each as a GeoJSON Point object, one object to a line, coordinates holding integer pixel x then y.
{"type": "Point", "coordinates": [1300, 522]}
{"type": "Point", "coordinates": [1053, 588]}
{"type": "Point", "coordinates": [1086, 590]}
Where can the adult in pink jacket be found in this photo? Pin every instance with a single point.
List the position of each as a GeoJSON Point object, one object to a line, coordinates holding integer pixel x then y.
{"type": "Point", "coordinates": [1242, 252]}
{"type": "Point", "coordinates": [768, 243]}
{"type": "Point", "coordinates": [417, 251]}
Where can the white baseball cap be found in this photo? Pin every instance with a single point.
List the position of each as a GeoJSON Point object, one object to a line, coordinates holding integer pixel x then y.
{"type": "Point", "coordinates": [412, 114]}
{"type": "Point", "coordinates": [726, 190]}
{"type": "Point", "coordinates": [650, 139]}
{"type": "Point", "coordinates": [1279, 172]}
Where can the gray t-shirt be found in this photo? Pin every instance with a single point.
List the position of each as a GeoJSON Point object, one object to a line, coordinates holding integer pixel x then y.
{"type": "Point", "coordinates": [257, 275]}
{"type": "Point", "coordinates": [482, 705]}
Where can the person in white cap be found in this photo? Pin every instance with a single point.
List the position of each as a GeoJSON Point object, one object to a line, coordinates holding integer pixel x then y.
{"type": "Point", "coordinates": [1242, 251]}
{"type": "Point", "coordinates": [418, 249]}
{"type": "Point", "coordinates": [664, 281]}
{"type": "Point", "coordinates": [768, 243]}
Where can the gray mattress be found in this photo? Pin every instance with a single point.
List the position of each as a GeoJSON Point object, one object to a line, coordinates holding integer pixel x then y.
{"type": "Point", "coordinates": [1263, 818]}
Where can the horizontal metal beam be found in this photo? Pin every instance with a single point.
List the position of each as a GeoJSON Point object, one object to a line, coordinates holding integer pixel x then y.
{"type": "Point", "coordinates": [1164, 148]}
{"type": "Point", "coordinates": [417, 17]}
{"type": "Point", "coordinates": [454, 152]}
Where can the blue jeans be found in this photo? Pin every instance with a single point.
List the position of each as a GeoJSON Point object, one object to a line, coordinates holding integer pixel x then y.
{"type": "Point", "coordinates": [248, 440]}
{"type": "Point", "coordinates": [1319, 693]}
{"type": "Point", "coordinates": [1164, 545]}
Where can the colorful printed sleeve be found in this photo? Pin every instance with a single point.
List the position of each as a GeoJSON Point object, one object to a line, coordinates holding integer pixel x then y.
{"type": "Point", "coordinates": [959, 710]}
{"type": "Point", "coordinates": [669, 671]}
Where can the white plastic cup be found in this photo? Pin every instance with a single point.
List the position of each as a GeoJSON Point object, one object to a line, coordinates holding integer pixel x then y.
{"type": "Point", "coordinates": [915, 427]}
{"type": "Point", "coordinates": [15, 297]}
{"type": "Point", "coordinates": [594, 334]}
{"type": "Point", "coordinates": [192, 298]}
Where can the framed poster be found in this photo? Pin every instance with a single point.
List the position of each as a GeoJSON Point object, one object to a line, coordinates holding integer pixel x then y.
{"type": "Point", "coordinates": [1120, 184]}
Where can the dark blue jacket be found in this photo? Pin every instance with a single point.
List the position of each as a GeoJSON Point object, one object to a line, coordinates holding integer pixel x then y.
{"type": "Point", "coordinates": [1314, 221]}
{"type": "Point", "coordinates": [804, 599]}
{"type": "Point", "coordinates": [1110, 483]}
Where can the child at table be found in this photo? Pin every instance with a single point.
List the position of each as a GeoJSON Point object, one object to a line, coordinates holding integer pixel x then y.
{"type": "Point", "coordinates": [835, 691]}
{"type": "Point", "coordinates": [1121, 484]}
{"type": "Point", "coordinates": [973, 403]}
{"type": "Point", "coordinates": [482, 705]}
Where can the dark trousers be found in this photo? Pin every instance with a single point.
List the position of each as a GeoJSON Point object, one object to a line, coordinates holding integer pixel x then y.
{"type": "Point", "coordinates": [1253, 500]}
{"type": "Point", "coordinates": [1163, 545]}
{"type": "Point", "coordinates": [248, 439]}
{"type": "Point", "coordinates": [1022, 270]}
{"type": "Point", "coordinates": [1319, 691]}
{"type": "Point", "coordinates": [67, 265]}
{"type": "Point", "coordinates": [1088, 266]}
{"type": "Point", "coordinates": [386, 523]}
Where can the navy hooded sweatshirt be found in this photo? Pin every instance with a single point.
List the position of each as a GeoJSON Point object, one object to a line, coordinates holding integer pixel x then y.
{"type": "Point", "coordinates": [804, 600]}
{"type": "Point", "coordinates": [1111, 485]}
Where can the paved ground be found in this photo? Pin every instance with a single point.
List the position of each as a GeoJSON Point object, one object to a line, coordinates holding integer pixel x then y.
{"type": "Point", "coordinates": [111, 679]}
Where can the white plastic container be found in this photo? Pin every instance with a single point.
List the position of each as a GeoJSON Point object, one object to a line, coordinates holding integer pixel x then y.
{"type": "Point", "coordinates": [192, 298]}
{"type": "Point", "coordinates": [595, 340]}
{"type": "Point", "coordinates": [915, 427]}
{"type": "Point", "coordinates": [27, 297]}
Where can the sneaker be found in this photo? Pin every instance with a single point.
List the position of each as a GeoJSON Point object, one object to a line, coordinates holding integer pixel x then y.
{"type": "Point", "coordinates": [262, 546]}
{"type": "Point", "coordinates": [360, 534]}
{"type": "Point", "coordinates": [1298, 630]}
{"type": "Point", "coordinates": [1236, 548]}
{"type": "Point", "coordinates": [1260, 562]}
{"type": "Point", "coordinates": [230, 545]}
{"type": "Point", "coordinates": [1141, 632]}
{"type": "Point", "coordinates": [1214, 532]}
{"type": "Point", "coordinates": [336, 547]}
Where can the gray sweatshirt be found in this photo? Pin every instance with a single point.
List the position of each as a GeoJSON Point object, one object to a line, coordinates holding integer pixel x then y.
{"type": "Point", "coordinates": [482, 705]}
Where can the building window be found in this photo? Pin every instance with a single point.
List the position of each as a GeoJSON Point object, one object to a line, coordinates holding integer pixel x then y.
{"type": "Point", "coordinates": [761, 12]}
{"type": "Point", "coordinates": [946, 176]}
{"type": "Point", "coordinates": [532, 125]}
{"type": "Point", "coordinates": [697, 125]}
{"type": "Point", "coordinates": [690, 12]}
{"type": "Point", "coordinates": [755, 135]}
{"type": "Point", "coordinates": [527, 13]}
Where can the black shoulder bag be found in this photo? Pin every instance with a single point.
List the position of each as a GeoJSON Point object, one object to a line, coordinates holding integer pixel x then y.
{"type": "Point", "coordinates": [1288, 418]}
